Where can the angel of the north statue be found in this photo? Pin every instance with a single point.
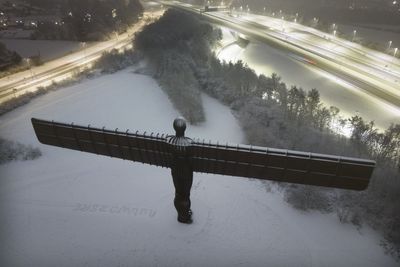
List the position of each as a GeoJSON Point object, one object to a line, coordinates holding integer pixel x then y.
{"type": "Point", "coordinates": [184, 156]}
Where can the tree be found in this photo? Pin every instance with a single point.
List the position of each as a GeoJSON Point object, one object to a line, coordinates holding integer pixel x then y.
{"type": "Point", "coordinates": [8, 58]}
{"type": "Point", "coordinates": [312, 103]}
{"type": "Point", "coordinates": [363, 134]}
{"type": "Point", "coordinates": [389, 144]}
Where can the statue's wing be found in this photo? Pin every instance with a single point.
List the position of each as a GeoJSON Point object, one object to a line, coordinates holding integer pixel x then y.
{"type": "Point", "coordinates": [151, 149]}
{"type": "Point", "coordinates": [235, 160]}
{"type": "Point", "coordinates": [281, 165]}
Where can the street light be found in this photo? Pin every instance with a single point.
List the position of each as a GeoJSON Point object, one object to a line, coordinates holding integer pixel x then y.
{"type": "Point", "coordinates": [28, 60]}
{"type": "Point", "coordinates": [390, 44]}
{"type": "Point", "coordinates": [83, 45]}
{"type": "Point", "coordinates": [395, 52]}
{"type": "Point", "coordinates": [354, 34]}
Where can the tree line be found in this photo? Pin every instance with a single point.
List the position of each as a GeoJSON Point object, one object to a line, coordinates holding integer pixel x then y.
{"type": "Point", "coordinates": [174, 46]}
{"type": "Point", "coordinates": [8, 58]}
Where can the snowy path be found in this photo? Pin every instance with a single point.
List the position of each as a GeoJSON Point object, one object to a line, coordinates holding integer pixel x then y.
{"type": "Point", "coordinates": [74, 209]}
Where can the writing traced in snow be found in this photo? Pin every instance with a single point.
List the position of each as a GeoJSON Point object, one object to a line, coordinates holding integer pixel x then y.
{"type": "Point", "coordinates": [114, 209]}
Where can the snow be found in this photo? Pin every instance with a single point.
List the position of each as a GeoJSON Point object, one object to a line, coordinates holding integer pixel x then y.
{"type": "Point", "coordinates": [46, 49]}
{"type": "Point", "coordinates": [69, 208]}
{"type": "Point", "coordinates": [350, 100]}
{"type": "Point", "coordinates": [381, 37]}
{"type": "Point", "coordinates": [16, 34]}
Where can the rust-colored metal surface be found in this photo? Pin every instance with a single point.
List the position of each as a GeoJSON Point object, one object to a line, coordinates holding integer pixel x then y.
{"type": "Point", "coordinates": [146, 148]}
{"type": "Point", "coordinates": [281, 165]}
{"type": "Point", "coordinates": [208, 157]}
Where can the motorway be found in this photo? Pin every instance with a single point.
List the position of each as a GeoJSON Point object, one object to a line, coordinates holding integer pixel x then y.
{"type": "Point", "coordinates": [64, 67]}
{"type": "Point", "coordinates": [374, 72]}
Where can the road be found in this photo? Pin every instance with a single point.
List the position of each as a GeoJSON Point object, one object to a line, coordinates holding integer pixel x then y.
{"type": "Point", "coordinates": [64, 67]}
{"type": "Point", "coordinates": [375, 73]}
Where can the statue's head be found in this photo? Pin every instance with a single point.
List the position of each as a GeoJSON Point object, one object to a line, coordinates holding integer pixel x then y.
{"type": "Point", "coordinates": [180, 126]}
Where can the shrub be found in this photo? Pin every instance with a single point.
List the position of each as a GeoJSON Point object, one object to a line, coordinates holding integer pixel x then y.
{"type": "Point", "coordinates": [10, 151]}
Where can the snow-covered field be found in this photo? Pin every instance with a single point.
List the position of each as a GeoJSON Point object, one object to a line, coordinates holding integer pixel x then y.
{"type": "Point", "coordinates": [350, 100]}
{"type": "Point", "coordinates": [15, 34]}
{"type": "Point", "coordinates": [372, 35]}
{"type": "Point", "coordinates": [47, 49]}
{"type": "Point", "coordinates": [69, 208]}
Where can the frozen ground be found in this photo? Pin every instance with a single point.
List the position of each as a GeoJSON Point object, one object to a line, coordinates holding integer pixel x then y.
{"type": "Point", "coordinates": [69, 208]}
{"type": "Point", "coordinates": [350, 100]}
{"type": "Point", "coordinates": [47, 49]}
{"type": "Point", "coordinates": [15, 34]}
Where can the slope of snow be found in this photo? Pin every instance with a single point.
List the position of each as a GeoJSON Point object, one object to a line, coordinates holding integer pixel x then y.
{"type": "Point", "coordinates": [46, 49]}
{"type": "Point", "coordinates": [69, 208]}
{"type": "Point", "coordinates": [381, 37]}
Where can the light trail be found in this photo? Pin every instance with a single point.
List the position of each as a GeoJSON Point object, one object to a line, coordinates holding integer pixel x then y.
{"type": "Point", "coordinates": [62, 68]}
{"type": "Point", "coordinates": [381, 78]}
{"type": "Point", "coordinates": [349, 62]}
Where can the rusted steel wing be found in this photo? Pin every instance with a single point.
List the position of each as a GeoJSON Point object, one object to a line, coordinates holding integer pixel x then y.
{"type": "Point", "coordinates": [207, 157]}
{"type": "Point", "coordinates": [150, 149]}
{"type": "Point", "coordinates": [281, 165]}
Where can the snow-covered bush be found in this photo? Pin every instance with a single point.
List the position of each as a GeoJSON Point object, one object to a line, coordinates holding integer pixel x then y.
{"type": "Point", "coordinates": [308, 198]}
{"type": "Point", "coordinates": [114, 60]}
{"type": "Point", "coordinates": [10, 150]}
{"type": "Point", "coordinates": [176, 45]}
